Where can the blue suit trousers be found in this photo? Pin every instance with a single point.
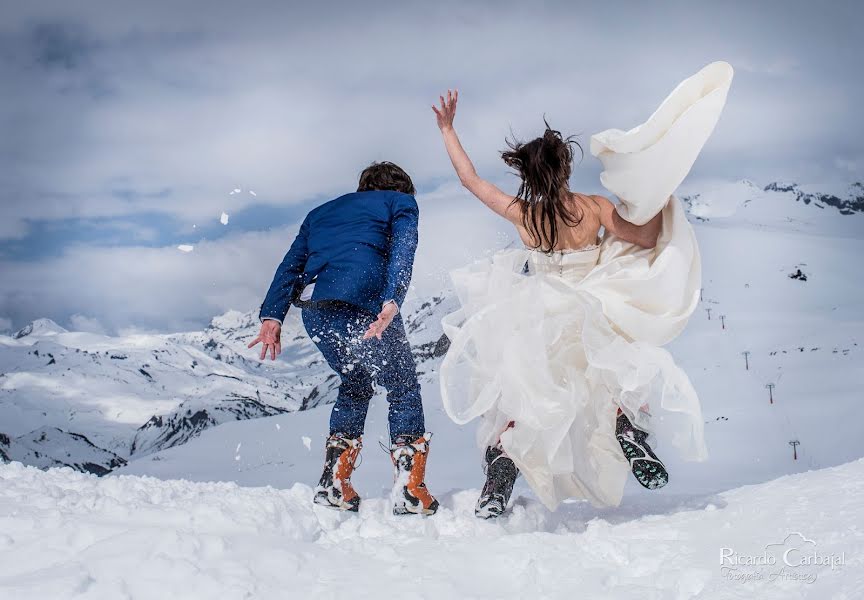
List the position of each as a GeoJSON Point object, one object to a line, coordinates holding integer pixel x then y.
{"type": "Point", "coordinates": [337, 329]}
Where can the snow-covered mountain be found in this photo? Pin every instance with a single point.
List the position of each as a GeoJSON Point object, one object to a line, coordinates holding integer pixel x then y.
{"type": "Point", "coordinates": [850, 201]}
{"type": "Point", "coordinates": [40, 328]}
{"type": "Point", "coordinates": [781, 206]}
{"type": "Point", "coordinates": [48, 447]}
{"type": "Point", "coordinates": [92, 402]}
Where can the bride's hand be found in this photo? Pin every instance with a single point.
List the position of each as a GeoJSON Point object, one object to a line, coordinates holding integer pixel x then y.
{"type": "Point", "coordinates": [447, 111]}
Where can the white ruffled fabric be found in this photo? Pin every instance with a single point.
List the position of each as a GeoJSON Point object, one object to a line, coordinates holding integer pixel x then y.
{"type": "Point", "coordinates": [557, 349]}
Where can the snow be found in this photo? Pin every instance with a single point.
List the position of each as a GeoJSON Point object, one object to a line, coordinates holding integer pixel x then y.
{"type": "Point", "coordinates": [66, 534]}
{"type": "Point", "coordinates": [185, 248]}
{"type": "Point", "coordinates": [307, 441]}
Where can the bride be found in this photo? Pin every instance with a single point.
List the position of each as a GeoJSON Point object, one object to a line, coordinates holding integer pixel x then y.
{"type": "Point", "coordinates": [557, 346]}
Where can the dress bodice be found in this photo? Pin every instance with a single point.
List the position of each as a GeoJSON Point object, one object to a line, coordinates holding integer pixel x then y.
{"type": "Point", "coordinates": [570, 264]}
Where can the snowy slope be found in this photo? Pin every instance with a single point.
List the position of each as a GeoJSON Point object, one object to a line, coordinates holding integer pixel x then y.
{"type": "Point", "coordinates": [65, 534]}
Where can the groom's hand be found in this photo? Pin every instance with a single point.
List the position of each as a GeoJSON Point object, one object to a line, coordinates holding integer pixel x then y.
{"type": "Point", "coordinates": [385, 317]}
{"type": "Point", "coordinates": [270, 338]}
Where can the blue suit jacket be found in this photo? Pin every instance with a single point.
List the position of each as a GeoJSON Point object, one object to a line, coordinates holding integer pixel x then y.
{"type": "Point", "coordinates": [358, 248]}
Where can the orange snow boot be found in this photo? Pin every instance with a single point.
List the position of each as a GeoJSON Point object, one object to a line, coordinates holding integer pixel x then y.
{"type": "Point", "coordinates": [410, 495]}
{"type": "Point", "coordinates": [334, 490]}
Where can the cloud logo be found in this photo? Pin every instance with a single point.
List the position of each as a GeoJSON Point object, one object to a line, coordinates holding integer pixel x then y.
{"type": "Point", "coordinates": [792, 550]}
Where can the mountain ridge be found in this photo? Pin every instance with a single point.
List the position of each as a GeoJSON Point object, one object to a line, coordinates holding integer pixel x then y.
{"type": "Point", "coordinates": [198, 379]}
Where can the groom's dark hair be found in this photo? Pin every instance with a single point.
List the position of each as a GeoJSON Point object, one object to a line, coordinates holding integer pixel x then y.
{"type": "Point", "coordinates": [385, 176]}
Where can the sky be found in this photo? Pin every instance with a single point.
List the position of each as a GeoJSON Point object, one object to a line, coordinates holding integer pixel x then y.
{"type": "Point", "coordinates": [126, 127]}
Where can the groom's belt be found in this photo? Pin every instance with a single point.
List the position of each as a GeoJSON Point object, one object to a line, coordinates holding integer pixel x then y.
{"type": "Point", "coordinates": [329, 304]}
{"type": "Point", "coordinates": [304, 300]}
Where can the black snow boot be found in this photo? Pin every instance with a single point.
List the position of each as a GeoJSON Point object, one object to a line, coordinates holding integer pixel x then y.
{"type": "Point", "coordinates": [501, 474]}
{"type": "Point", "coordinates": [646, 467]}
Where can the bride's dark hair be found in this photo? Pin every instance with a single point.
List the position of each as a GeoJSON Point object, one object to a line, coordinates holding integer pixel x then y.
{"type": "Point", "coordinates": [544, 166]}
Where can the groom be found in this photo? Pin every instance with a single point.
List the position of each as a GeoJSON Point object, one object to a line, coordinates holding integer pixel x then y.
{"type": "Point", "coordinates": [349, 269]}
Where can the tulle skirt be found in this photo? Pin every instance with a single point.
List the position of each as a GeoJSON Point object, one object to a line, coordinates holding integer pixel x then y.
{"type": "Point", "coordinates": [531, 345]}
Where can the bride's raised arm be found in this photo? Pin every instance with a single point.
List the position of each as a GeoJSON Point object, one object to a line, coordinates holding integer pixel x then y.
{"type": "Point", "coordinates": [488, 193]}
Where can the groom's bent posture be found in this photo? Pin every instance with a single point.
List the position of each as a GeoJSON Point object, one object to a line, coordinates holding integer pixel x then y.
{"type": "Point", "coordinates": [349, 270]}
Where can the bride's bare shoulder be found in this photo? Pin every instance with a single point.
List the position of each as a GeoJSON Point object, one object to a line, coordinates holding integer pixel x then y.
{"type": "Point", "coordinates": [595, 202]}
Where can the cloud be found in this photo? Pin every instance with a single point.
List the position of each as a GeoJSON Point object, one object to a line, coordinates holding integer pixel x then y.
{"type": "Point", "coordinates": [129, 122]}
{"type": "Point", "coordinates": [854, 165]}
{"type": "Point", "coordinates": [778, 66]}
{"type": "Point", "coordinates": [145, 289]}
{"type": "Point", "coordinates": [88, 324]}
{"type": "Point", "coordinates": [159, 288]}
{"type": "Point", "coordinates": [121, 108]}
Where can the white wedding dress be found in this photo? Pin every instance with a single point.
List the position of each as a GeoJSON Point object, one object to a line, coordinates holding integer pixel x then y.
{"type": "Point", "coordinates": [556, 342]}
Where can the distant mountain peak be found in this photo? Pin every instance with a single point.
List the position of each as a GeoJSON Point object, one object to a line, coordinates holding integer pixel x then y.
{"type": "Point", "coordinates": [851, 203]}
{"type": "Point", "coordinates": [232, 320]}
{"type": "Point", "coordinates": [781, 186]}
{"type": "Point", "coordinates": [775, 201]}
{"type": "Point", "coordinates": [40, 327]}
